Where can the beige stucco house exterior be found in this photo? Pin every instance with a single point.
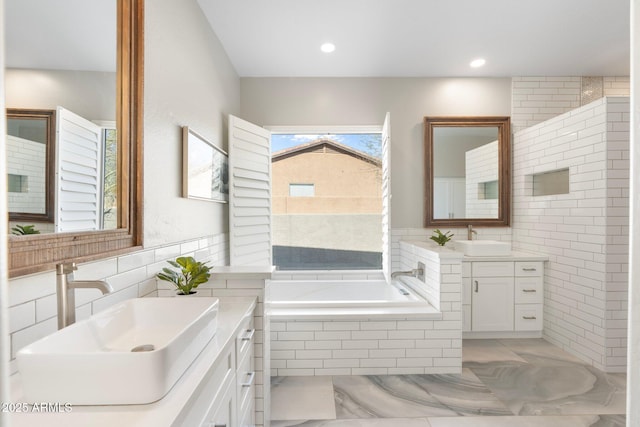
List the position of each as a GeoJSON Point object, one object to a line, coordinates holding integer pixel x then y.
{"type": "Point", "coordinates": [344, 180]}
{"type": "Point", "coordinates": [327, 206]}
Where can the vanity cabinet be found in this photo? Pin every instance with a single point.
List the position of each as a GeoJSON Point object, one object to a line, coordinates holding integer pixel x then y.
{"type": "Point", "coordinates": [234, 404]}
{"type": "Point", "coordinates": [227, 395]}
{"type": "Point", "coordinates": [217, 389]}
{"type": "Point", "coordinates": [502, 296]}
{"type": "Point", "coordinates": [245, 375]}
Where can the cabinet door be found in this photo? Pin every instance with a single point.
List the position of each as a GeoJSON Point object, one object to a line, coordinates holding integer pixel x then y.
{"type": "Point", "coordinates": [449, 198]}
{"type": "Point", "coordinates": [223, 412]}
{"type": "Point", "coordinates": [492, 304]}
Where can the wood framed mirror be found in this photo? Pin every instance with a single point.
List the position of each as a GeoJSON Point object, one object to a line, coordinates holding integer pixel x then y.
{"type": "Point", "coordinates": [34, 253]}
{"type": "Point", "coordinates": [467, 171]}
{"type": "Point", "coordinates": [30, 164]}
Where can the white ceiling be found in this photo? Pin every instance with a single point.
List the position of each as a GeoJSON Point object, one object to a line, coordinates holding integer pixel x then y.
{"type": "Point", "coordinates": [61, 34]}
{"type": "Point", "coordinates": [391, 38]}
{"type": "Point", "coordinates": [415, 38]}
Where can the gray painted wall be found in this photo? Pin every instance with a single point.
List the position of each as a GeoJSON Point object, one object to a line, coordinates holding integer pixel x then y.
{"type": "Point", "coordinates": [89, 94]}
{"type": "Point", "coordinates": [364, 101]}
{"type": "Point", "coordinates": [189, 81]}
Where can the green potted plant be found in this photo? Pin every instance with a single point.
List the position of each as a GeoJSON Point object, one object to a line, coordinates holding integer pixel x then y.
{"type": "Point", "coordinates": [189, 275]}
{"type": "Point", "coordinates": [23, 230]}
{"type": "Point", "coordinates": [441, 238]}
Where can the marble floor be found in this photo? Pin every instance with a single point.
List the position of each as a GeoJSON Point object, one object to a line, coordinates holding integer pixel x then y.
{"type": "Point", "coordinates": [504, 383]}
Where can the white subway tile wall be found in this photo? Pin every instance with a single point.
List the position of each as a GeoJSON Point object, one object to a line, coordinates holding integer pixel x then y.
{"type": "Point", "coordinates": [536, 99]}
{"type": "Point", "coordinates": [481, 168]}
{"type": "Point", "coordinates": [32, 155]}
{"type": "Point", "coordinates": [379, 347]}
{"type": "Point", "coordinates": [585, 232]}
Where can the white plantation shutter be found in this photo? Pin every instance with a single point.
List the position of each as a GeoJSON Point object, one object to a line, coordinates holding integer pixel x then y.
{"type": "Point", "coordinates": [249, 193]}
{"type": "Point", "coordinates": [78, 173]}
{"type": "Point", "coordinates": [386, 197]}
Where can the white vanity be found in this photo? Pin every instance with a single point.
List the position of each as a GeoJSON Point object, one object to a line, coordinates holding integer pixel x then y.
{"type": "Point", "coordinates": [502, 296]}
{"type": "Point", "coordinates": [218, 388]}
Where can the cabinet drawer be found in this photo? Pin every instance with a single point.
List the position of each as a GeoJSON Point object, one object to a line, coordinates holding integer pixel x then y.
{"type": "Point", "coordinates": [528, 317]}
{"type": "Point", "coordinates": [246, 380]}
{"type": "Point", "coordinates": [492, 269]}
{"type": "Point", "coordinates": [529, 268]}
{"type": "Point", "coordinates": [529, 290]}
{"type": "Point", "coordinates": [244, 339]}
{"type": "Point", "coordinates": [466, 269]}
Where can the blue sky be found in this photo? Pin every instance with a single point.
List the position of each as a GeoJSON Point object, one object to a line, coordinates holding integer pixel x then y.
{"type": "Point", "coordinates": [366, 142]}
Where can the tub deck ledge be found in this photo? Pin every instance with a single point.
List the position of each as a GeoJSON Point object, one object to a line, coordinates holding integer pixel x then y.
{"type": "Point", "coordinates": [427, 312]}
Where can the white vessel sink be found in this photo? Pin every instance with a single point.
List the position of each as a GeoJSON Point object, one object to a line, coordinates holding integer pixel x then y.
{"type": "Point", "coordinates": [131, 353]}
{"type": "Point", "coordinates": [483, 247]}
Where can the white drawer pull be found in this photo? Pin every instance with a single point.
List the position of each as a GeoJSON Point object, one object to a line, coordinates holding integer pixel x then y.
{"type": "Point", "coordinates": [249, 334]}
{"type": "Point", "coordinates": [528, 290]}
{"type": "Point", "coordinates": [529, 317]}
{"type": "Point", "coordinates": [529, 269]}
{"type": "Point", "coordinates": [252, 376]}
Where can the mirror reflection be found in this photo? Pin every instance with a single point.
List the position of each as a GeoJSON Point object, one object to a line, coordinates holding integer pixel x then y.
{"type": "Point", "coordinates": [30, 168]}
{"type": "Point", "coordinates": [465, 172]}
{"type": "Point", "coordinates": [61, 58]}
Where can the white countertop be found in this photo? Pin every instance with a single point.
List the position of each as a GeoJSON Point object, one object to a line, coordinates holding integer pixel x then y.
{"type": "Point", "coordinates": [243, 272]}
{"type": "Point", "coordinates": [448, 252]}
{"type": "Point", "coordinates": [514, 256]}
{"type": "Point", "coordinates": [231, 312]}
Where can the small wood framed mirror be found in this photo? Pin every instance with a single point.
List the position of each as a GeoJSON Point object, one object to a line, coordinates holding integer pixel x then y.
{"type": "Point", "coordinates": [467, 171]}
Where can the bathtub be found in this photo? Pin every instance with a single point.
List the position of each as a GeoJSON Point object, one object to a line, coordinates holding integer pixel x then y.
{"type": "Point", "coordinates": [358, 327]}
{"type": "Point", "coordinates": [344, 298]}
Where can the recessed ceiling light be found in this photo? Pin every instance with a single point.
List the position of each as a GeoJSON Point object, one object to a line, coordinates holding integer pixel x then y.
{"type": "Point", "coordinates": [476, 63]}
{"type": "Point", "coordinates": [328, 47]}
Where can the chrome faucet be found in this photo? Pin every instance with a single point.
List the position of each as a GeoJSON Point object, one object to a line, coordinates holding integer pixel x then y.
{"type": "Point", "coordinates": [65, 290]}
{"type": "Point", "coordinates": [416, 272]}
{"type": "Point", "coordinates": [470, 232]}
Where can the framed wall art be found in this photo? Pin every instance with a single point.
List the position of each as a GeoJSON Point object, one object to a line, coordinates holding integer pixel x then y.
{"type": "Point", "coordinates": [205, 168]}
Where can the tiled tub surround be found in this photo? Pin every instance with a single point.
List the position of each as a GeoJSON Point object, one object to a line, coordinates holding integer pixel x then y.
{"type": "Point", "coordinates": [383, 344]}
{"type": "Point", "coordinates": [585, 232]}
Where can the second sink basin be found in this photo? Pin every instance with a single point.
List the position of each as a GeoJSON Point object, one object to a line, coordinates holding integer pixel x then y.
{"type": "Point", "coordinates": [131, 353]}
{"type": "Point", "coordinates": [483, 247]}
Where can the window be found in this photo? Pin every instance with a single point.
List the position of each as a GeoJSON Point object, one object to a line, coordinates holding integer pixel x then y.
{"type": "Point", "coordinates": [302, 190]}
{"type": "Point", "coordinates": [326, 201]}
{"type": "Point", "coordinates": [110, 180]}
